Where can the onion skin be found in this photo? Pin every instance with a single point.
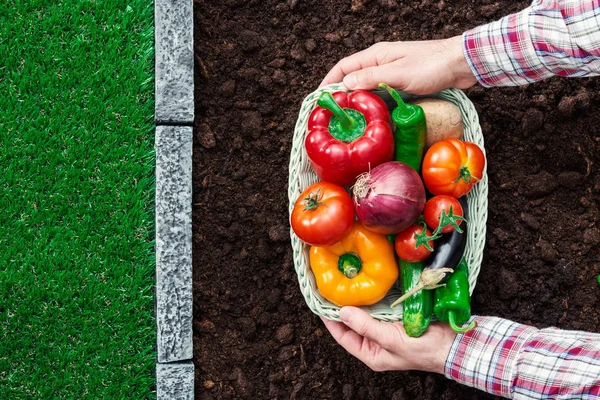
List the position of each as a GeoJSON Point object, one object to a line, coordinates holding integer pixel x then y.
{"type": "Point", "coordinates": [390, 198]}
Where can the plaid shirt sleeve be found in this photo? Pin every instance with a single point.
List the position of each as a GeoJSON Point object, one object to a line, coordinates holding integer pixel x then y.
{"type": "Point", "coordinates": [521, 362]}
{"type": "Point", "coordinates": [551, 37]}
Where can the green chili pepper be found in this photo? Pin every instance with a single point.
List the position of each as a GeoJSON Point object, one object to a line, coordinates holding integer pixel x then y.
{"type": "Point", "coordinates": [411, 130]}
{"type": "Point", "coordinates": [452, 301]}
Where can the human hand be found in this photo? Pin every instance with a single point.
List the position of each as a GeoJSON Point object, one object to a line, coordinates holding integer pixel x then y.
{"type": "Point", "coordinates": [415, 67]}
{"type": "Point", "coordinates": [384, 346]}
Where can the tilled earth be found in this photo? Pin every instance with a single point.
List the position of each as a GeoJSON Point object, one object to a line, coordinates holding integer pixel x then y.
{"type": "Point", "coordinates": [254, 337]}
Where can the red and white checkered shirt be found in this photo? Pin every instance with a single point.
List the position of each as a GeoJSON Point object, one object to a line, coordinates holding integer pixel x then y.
{"type": "Point", "coordinates": [522, 362]}
{"type": "Point", "coordinates": [550, 37]}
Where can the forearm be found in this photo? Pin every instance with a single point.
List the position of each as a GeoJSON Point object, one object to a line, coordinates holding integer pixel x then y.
{"type": "Point", "coordinates": [519, 361]}
{"type": "Point", "coordinates": [546, 39]}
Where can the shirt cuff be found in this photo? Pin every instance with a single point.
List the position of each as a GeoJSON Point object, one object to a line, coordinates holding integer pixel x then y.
{"type": "Point", "coordinates": [501, 53]}
{"type": "Point", "coordinates": [485, 357]}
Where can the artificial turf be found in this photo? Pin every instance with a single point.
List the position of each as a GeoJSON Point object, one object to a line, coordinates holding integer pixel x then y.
{"type": "Point", "coordinates": [76, 199]}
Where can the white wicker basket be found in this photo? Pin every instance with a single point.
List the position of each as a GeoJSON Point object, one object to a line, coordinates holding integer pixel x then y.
{"type": "Point", "coordinates": [302, 175]}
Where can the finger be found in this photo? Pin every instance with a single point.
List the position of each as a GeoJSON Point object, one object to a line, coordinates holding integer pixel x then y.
{"type": "Point", "coordinates": [358, 346]}
{"type": "Point", "coordinates": [384, 334]}
{"type": "Point", "coordinates": [357, 61]}
{"type": "Point", "coordinates": [369, 78]}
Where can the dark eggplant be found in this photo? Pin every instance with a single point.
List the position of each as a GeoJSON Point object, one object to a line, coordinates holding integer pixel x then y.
{"type": "Point", "coordinates": [450, 248]}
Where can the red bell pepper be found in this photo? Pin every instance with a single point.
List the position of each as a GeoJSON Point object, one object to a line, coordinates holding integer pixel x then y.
{"type": "Point", "coordinates": [348, 134]}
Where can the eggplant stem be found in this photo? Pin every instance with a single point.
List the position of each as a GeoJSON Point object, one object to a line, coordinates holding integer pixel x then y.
{"type": "Point", "coordinates": [429, 280]}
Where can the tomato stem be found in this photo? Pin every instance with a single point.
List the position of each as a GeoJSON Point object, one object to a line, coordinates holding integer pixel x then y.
{"type": "Point", "coordinates": [456, 328]}
{"type": "Point", "coordinates": [448, 220]}
{"type": "Point", "coordinates": [312, 201]}
{"type": "Point", "coordinates": [465, 175]}
{"type": "Point", "coordinates": [421, 239]}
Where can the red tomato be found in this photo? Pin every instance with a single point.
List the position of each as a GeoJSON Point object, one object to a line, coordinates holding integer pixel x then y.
{"type": "Point", "coordinates": [452, 167]}
{"type": "Point", "coordinates": [406, 244]}
{"type": "Point", "coordinates": [323, 214]}
{"type": "Point", "coordinates": [433, 210]}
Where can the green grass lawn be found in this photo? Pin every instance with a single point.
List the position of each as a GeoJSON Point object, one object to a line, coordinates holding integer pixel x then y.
{"type": "Point", "coordinates": [76, 199]}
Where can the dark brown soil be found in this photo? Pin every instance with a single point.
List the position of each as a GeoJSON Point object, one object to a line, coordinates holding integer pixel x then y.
{"type": "Point", "coordinates": [254, 337]}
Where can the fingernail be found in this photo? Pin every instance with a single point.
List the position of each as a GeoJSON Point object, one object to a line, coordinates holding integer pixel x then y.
{"type": "Point", "coordinates": [346, 313]}
{"type": "Point", "coordinates": [350, 81]}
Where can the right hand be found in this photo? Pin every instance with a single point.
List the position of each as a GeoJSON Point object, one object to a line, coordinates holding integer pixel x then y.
{"type": "Point", "coordinates": [384, 347]}
{"type": "Point", "coordinates": [414, 67]}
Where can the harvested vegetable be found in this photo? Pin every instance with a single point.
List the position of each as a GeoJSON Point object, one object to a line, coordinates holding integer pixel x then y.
{"type": "Point", "coordinates": [452, 301]}
{"type": "Point", "coordinates": [323, 214]}
{"type": "Point", "coordinates": [445, 211]}
{"type": "Point", "coordinates": [414, 244]}
{"type": "Point", "coordinates": [449, 249]}
{"type": "Point", "coordinates": [348, 134]}
{"type": "Point", "coordinates": [390, 198]}
{"type": "Point", "coordinates": [417, 309]}
{"type": "Point", "coordinates": [357, 271]}
{"type": "Point", "coordinates": [410, 132]}
{"type": "Point", "coordinates": [452, 167]}
{"type": "Point", "coordinates": [444, 120]}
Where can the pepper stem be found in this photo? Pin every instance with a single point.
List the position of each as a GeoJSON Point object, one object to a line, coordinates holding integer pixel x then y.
{"type": "Point", "coordinates": [349, 264]}
{"type": "Point", "coordinates": [327, 101]}
{"type": "Point", "coordinates": [403, 109]}
{"type": "Point", "coordinates": [456, 328]}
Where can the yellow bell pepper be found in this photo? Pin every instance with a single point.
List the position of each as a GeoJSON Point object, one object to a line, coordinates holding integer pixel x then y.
{"type": "Point", "coordinates": [358, 270]}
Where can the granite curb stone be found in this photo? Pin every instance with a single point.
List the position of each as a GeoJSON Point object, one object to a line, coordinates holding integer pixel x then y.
{"type": "Point", "coordinates": [175, 381]}
{"type": "Point", "coordinates": [174, 243]}
{"type": "Point", "coordinates": [174, 64]}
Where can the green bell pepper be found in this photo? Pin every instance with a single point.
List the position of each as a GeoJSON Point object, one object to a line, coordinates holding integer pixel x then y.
{"type": "Point", "coordinates": [411, 130]}
{"type": "Point", "coordinates": [452, 301]}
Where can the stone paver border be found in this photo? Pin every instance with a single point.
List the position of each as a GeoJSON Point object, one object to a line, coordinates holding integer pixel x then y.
{"type": "Point", "coordinates": [174, 115]}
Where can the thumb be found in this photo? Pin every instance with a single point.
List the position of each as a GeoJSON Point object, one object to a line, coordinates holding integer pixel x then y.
{"type": "Point", "coordinates": [369, 78]}
{"type": "Point", "coordinates": [385, 334]}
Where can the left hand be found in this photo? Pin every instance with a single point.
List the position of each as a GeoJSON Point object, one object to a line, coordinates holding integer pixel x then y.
{"type": "Point", "coordinates": [385, 346]}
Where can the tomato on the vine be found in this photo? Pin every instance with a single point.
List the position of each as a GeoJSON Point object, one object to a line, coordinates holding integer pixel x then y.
{"type": "Point", "coordinates": [452, 167]}
{"type": "Point", "coordinates": [446, 209]}
{"type": "Point", "coordinates": [413, 244]}
{"type": "Point", "coordinates": [323, 214]}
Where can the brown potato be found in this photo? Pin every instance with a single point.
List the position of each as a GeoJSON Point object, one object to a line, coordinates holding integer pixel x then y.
{"type": "Point", "coordinates": [444, 120]}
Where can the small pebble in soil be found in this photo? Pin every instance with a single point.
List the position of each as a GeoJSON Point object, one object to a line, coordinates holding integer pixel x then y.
{"type": "Point", "coordinates": [297, 53]}
{"type": "Point", "coordinates": [583, 99]}
{"type": "Point", "coordinates": [532, 120]}
{"type": "Point", "coordinates": [243, 387]}
{"type": "Point", "coordinates": [208, 384]}
{"type": "Point", "coordinates": [530, 221]}
{"type": "Point", "coordinates": [310, 45]}
{"type": "Point", "coordinates": [204, 326]}
{"type": "Point", "coordinates": [251, 123]}
{"type": "Point", "coordinates": [570, 179]}
{"type": "Point", "coordinates": [205, 136]}
{"type": "Point", "coordinates": [285, 334]}
{"type": "Point", "coordinates": [279, 77]}
{"type": "Point", "coordinates": [547, 252]}
{"type": "Point", "coordinates": [292, 4]}
{"type": "Point", "coordinates": [277, 63]}
{"type": "Point", "coordinates": [287, 352]}
{"type": "Point", "coordinates": [333, 37]}
{"type": "Point", "coordinates": [566, 107]}
{"type": "Point", "coordinates": [539, 185]}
